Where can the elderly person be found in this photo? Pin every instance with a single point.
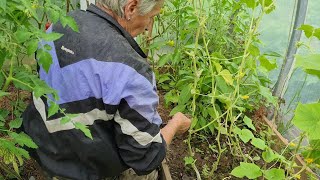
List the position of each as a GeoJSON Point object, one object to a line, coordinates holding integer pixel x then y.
{"type": "Point", "coordinates": [102, 75]}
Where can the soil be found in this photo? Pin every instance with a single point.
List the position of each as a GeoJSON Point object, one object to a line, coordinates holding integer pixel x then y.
{"type": "Point", "coordinates": [31, 170]}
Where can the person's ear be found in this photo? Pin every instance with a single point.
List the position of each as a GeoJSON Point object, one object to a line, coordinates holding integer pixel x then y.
{"type": "Point", "coordinates": [131, 9]}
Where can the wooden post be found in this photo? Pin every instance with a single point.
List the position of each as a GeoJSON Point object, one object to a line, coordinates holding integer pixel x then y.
{"type": "Point", "coordinates": [165, 171]}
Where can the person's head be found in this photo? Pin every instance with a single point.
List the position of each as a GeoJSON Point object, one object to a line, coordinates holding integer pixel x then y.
{"type": "Point", "coordinates": [135, 16]}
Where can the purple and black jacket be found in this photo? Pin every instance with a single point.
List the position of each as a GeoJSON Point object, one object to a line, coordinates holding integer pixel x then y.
{"type": "Point", "coordinates": [101, 74]}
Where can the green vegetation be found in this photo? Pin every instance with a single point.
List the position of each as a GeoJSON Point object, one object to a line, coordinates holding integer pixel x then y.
{"type": "Point", "coordinates": [211, 65]}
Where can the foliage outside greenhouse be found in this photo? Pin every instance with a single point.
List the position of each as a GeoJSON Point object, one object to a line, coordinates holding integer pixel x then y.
{"type": "Point", "coordinates": [208, 62]}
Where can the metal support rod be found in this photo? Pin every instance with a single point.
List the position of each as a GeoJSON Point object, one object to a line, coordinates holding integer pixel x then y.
{"type": "Point", "coordinates": [288, 63]}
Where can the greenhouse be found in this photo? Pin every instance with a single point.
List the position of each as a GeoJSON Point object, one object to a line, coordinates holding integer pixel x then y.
{"type": "Point", "coordinates": [160, 89]}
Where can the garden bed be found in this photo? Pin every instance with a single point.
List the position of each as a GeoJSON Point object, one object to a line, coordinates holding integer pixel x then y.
{"type": "Point", "coordinates": [205, 156]}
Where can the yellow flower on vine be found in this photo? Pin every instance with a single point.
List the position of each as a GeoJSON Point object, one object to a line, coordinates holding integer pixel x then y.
{"type": "Point", "coordinates": [298, 176]}
{"type": "Point", "coordinates": [34, 6]}
{"type": "Point", "coordinates": [241, 75]}
{"type": "Point", "coordinates": [292, 144]}
{"type": "Point", "coordinates": [309, 160]}
{"type": "Point", "coordinates": [27, 12]}
{"type": "Point", "coordinates": [161, 11]}
{"type": "Point", "coordinates": [245, 97]}
{"type": "Point", "coordinates": [170, 43]}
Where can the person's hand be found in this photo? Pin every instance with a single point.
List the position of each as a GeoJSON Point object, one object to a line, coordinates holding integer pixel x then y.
{"type": "Point", "coordinates": [181, 122]}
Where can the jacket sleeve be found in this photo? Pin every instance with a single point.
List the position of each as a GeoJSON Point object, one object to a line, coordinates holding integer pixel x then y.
{"type": "Point", "coordinates": [141, 145]}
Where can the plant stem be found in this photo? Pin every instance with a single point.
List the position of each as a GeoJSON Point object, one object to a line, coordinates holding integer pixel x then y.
{"type": "Point", "coordinates": [296, 151]}
{"type": "Point", "coordinates": [9, 78]}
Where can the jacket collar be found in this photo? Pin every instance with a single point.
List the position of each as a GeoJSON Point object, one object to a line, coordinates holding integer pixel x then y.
{"type": "Point", "coordinates": [99, 12]}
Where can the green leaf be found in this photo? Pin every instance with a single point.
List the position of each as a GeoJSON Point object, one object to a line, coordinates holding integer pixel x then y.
{"type": "Point", "coordinates": [222, 130]}
{"type": "Point", "coordinates": [268, 4]}
{"type": "Point", "coordinates": [11, 147]}
{"type": "Point", "coordinates": [163, 78]}
{"type": "Point", "coordinates": [1, 78]}
{"type": "Point", "coordinates": [254, 50]}
{"type": "Point", "coordinates": [47, 47]}
{"type": "Point", "coordinates": [274, 174]}
{"type": "Point", "coordinates": [249, 170]}
{"type": "Point", "coordinates": [51, 36]}
{"type": "Point", "coordinates": [225, 99]}
{"type": "Point", "coordinates": [65, 120]}
{"type": "Point", "coordinates": [194, 122]}
{"type": "Point", "coordinates": [164, 59]}
{"type": "Point", "coordinates": [309, 63]}
{"type": "Point", "coordinates": [3, 93]}
{"type": "Point", "coordinates": [249, 3]}
{"type": "Point", "coordinates": [222, 85]}
{"type": "Point", "coordinates": [185, 95]}
{"type": "Point", "coordinates": [39, 91]}
{"type": "Point", "coordinates": [14, 124]}
{"type": "Point", "coordinates": [44, 59]}
{"type": "Point", "coordinates": [307, 29]}
{"type": "Point", "coordinates": [273, 54]}
{"type": "Point", "coordinates": [53, 109]}
{"type": "Point", "coordinates": [176, 57]}
{"type": "Point", "coordinates": [266, 92]}
{"type": "Point", "coordinates": [188, 160]}
{"type": "Point", "coordinates": [317, 33]}
{"type": "Point", "coordinates": [218, 67]}
{"type": "Point", "coordinates": [28, 7]}
{"type": "Point", "coordinates": [269, 155]}
{"type": "Point", "coordinates": [256, 158]}
{"type": "Point", "coordinates": [15, 166]}
{"type": "Point", "coordinates": [157, 44]}
{"type": "Point", "coordinates": [307, 118]}
{"type": "Point", "coordinates": [68, 20]}
{"type": "Point", "coordinates": [84, 129]}
{"type": "Point", "coordinates": [23, 139]}
{"type": "Point", "coordinates": [258, 143]}
{"type": "Point", "coordinates": [227, 76]}
{"type": "Point", "coordinates": [3, 55]}
{"type": "Point", "coordinates": [3, 4]}
{"type": "Point", "coordinates": [22, 36]}
{"type": "Point", "coordinates": [171, 97]}
{"type": "Point", "coordinates": [248, 122]}
{"type": "Point", "coordinates": [264, 62]}
{"type": "Point", "coordinates": [245, 135]}
{"type": "Point", "coordinates": [54, 15]}
{"type": "Point", "coordinates": [179, 108]}
{"type": "Point", "coordinates": [32, 46]}
{"type": "Point", "coordinates": [212, 112]}
{"type": "Point", "coordinates": [4, 114]}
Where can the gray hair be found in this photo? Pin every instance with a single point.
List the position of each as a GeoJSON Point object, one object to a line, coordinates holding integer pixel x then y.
{"type": "Point", "coordinates": [144, 6]}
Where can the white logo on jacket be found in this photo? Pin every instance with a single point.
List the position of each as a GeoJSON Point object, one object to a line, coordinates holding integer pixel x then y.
{"type": "Point", "coordinates": [67, 50]}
